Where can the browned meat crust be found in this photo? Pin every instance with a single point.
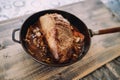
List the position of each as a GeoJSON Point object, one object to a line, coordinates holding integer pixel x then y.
{"type": "Point", "coordinates": [60, 36]}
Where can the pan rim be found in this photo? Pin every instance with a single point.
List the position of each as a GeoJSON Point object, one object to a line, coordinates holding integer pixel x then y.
{"type": "Point", "coordinates": [54, 65]}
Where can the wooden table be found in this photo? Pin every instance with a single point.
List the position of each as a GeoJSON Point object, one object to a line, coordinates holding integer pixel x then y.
{"type": "Point", "coordinates": [15, 64]}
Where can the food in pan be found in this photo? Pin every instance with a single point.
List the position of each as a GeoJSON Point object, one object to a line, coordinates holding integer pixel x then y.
{"type": "Point", "coordinates": [52, 39]}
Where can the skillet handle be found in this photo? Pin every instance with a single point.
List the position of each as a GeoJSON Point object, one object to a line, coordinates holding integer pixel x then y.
{"type": "Point", "coordinates": [13, 35]}
{"type": "Point", "coordinates": [104, 31]}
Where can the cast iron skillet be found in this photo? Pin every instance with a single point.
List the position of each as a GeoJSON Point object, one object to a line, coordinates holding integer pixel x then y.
{"type": "Point", "coordinates": [72, 19]}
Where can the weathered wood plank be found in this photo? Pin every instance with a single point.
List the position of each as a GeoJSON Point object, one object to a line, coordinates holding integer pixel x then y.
{"type": "Point", "coordinates": [95, 64]}
{"type": "Point", "coordinates": [114, 67]}
{"type": "Point", "coordinates": [101, 74]}
{"type": "Point", "coordinates": [16, 64]}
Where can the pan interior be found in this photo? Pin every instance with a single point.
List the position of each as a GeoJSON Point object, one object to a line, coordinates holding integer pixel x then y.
{"type": "Point", "coordinates": [71, 18]}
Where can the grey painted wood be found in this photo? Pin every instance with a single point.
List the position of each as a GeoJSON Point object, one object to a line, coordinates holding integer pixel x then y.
{"type": "Point", "coordinates": [15, 64]}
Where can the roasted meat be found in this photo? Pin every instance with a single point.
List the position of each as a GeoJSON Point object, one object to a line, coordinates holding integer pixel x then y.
{"type": "Point", "coordinates": [60, 36]}
{"type": "Point", "coordinates": [52, 39]}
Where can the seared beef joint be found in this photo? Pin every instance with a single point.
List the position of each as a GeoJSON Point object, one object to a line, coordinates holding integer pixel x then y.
{"type": "Point", "coordinates": [52, 39]}
{"type": "Point", "coordinates": [61, 37]}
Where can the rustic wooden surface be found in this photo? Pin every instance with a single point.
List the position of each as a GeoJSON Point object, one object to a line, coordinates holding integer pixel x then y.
{"type": "Point", "coordinates": [15, 64]}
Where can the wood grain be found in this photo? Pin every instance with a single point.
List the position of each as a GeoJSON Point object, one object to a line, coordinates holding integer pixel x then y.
{"type": "Point", "coordinates": [15, 64]}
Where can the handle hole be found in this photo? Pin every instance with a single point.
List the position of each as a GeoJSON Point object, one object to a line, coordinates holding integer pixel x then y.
{"type": "Point", "coordinates": [15, 33]}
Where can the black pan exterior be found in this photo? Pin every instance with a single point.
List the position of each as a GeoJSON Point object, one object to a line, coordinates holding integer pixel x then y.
{"type": "Point", "coordinates": [76, 22]}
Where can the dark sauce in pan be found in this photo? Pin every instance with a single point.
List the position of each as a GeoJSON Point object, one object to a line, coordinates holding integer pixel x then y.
{"type": "Point", "coordinates": [37, 45]}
